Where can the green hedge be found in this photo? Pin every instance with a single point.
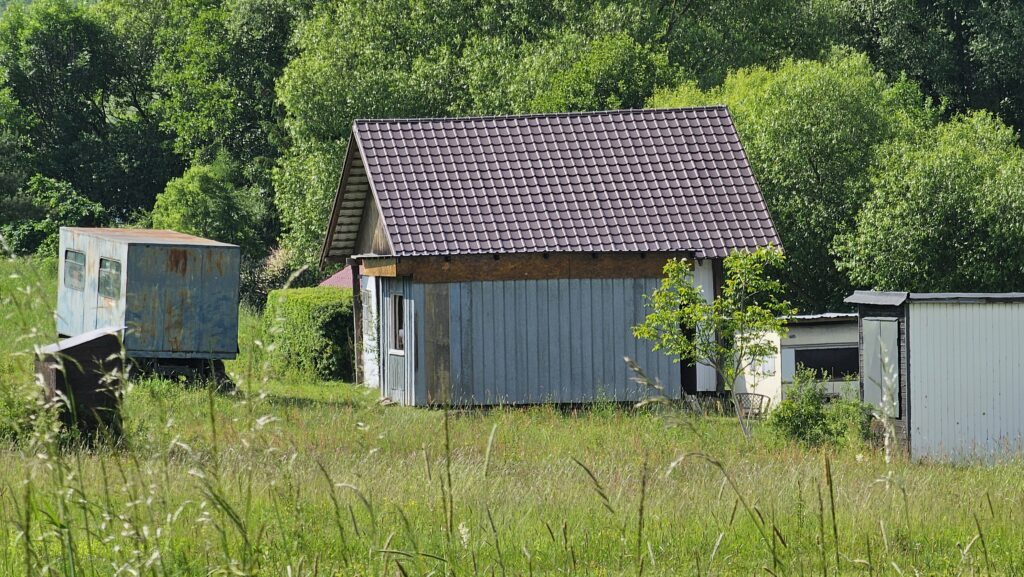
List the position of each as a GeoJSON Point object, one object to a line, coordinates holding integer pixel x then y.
{"type": "Point", "coordinates": [310, 330]}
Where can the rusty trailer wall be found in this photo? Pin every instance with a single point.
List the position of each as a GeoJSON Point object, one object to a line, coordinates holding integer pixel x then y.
{"type": "Point", "coordinates": [183, 301]}
{"type": "Point", "coordinates": [176, 295]}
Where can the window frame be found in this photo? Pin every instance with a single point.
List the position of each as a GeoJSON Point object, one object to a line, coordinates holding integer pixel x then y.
{"type": "Point", "coordinates": [81, 265]}
{"type": "Point", "coordinates": [102, 272]}
{"type": "Point", "coordinates": [831, 377]}
{"type": "Point", "coordinates": [396, 334]}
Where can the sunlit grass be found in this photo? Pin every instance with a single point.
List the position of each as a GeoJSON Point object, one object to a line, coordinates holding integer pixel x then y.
{"type": "Point", "coordinates": [289, 476]}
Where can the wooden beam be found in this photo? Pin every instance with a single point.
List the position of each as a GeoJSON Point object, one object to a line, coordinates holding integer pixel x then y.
{"type": "Point", "coordinates": [379, 267]}
{"type": "Point", "coordinates": [534, 266]}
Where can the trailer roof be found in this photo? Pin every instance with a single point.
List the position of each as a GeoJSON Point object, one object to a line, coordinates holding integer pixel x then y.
{"type": "Point", "coordinates": [147, 236]}
{"type": "Point", "coordinates": [967, 297]}
{"type": "Point", "coordinates": [821, 318]}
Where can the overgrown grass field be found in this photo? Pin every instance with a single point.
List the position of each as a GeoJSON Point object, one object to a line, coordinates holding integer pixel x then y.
{"type": "Point", "coordinates": [288, 476]}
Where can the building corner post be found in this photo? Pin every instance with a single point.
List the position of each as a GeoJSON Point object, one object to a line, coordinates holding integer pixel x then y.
{"type": "Point", "coordinates": [357, 323]}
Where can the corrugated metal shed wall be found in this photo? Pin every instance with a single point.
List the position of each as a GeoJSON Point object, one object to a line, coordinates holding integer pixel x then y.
{"type": "Point", "coordinates": [530, 341]}
{"type": "Point", "coordinates": [967, 378]}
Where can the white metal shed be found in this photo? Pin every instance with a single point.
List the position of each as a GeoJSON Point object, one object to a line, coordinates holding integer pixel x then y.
{"type": "Point", "coordinates": [958, 362]}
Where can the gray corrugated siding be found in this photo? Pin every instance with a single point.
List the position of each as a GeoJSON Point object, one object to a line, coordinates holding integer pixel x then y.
{"type": "Point", "coordinates": [522, 342]}
{"type": "Point", "coordinates": [966, 385]}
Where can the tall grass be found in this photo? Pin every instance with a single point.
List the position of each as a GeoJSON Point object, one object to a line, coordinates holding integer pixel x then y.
{"type": "Point", "coordinates": [297, 477]}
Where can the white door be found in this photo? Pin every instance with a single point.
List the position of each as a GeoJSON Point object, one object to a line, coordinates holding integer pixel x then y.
{"type": "Point", "coordinates": [882, 365]}
{"type": "Point", "coordinates": [399, 339]}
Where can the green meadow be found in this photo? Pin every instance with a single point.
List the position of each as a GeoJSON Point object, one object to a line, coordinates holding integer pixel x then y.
{"type": "Point", "coordinates": [290, 476]}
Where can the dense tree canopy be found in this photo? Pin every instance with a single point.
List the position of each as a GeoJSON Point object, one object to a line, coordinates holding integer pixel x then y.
{"type": "Point", "coordinates": [811, 130]}
{"type": "Point", "coordinates": [65, 68]}
{"type": "Point", "coordinates": [243, 108]}
{"type": "Point", "coordinates": [946, 213]}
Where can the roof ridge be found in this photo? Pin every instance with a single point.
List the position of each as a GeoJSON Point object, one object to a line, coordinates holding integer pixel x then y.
{"type": "Point", "coordinates": [422, 119]}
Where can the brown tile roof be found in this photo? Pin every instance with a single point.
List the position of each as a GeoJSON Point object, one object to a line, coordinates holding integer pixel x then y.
{"type": "Point", "coordinates": [626, 180]}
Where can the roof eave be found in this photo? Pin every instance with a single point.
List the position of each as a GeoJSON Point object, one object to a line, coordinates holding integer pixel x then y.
{"type": "Point", "coordinates": [332, 222]}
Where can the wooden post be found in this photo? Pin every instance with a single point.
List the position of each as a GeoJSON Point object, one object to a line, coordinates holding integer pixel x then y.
{"type": "Point", "coordinates": [718, 276]}
{"type": "Point", "coordinates": [357, 322]}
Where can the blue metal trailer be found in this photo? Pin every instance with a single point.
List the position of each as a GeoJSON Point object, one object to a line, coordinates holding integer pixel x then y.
{"type": "Point", "coordinates": [175, 295]}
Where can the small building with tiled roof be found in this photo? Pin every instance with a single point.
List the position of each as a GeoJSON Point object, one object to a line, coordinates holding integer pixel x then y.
{"type": "Point", "coordinates": [505, 260]}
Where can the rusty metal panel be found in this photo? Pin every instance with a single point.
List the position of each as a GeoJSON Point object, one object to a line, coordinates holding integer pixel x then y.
{"type": "Point", "coordinates": [183, 301]}
{"type": "Point", "coordinates": [177, 297]}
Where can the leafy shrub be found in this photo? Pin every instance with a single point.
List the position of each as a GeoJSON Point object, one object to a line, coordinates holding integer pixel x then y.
{"type": "Point", "coordinates": [310, 329]}
{"type": "Point", "coordinates": [48, 204]}
{"type": "Point", "coordinates": [807, 417]}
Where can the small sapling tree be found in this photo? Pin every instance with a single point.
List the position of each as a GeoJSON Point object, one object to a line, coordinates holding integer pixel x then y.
{"type": "Point", "coordinates": [728, 332]}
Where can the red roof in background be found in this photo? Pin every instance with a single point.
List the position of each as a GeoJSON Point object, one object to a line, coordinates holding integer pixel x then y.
{"type": "Point", "coordinates": [340, 279]}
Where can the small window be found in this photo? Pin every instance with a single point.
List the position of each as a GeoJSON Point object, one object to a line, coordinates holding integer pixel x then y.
{"type": "Point", "coordinates": [834, 364]}
{"type": "Point", "coordinates": [397, 323]}
{"type": "Point", "coordinates": [109, 284]}
{"type": "Point", "coordinates": [74, 270]}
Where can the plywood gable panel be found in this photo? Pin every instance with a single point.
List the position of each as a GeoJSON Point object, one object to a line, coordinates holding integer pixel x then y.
{"type": "Point", "coordinates": [373, 238]}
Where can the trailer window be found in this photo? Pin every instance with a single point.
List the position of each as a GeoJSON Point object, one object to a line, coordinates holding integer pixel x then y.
{"type": "Point", "coordinates": [833, 364]}
{"type": "Point", "coordinates": [397, 323]}
{"type": "Point", "coordinates": [110, 278]}
{"type": "Point", "coordinates": [74, 270]}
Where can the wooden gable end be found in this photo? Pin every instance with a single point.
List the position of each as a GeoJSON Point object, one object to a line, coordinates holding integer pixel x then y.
{"type": "Point", "coordinates": [355, 225]}
{"type": "Point", "coordinates": [372, 237]}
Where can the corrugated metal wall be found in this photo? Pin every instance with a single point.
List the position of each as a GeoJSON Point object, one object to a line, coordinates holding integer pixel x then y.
{"type": "Point", "coordinates": [182, 301]}
{"type": "Point", "coordinates": [967, 378]}
{"type": "Point", "coordinates": [519, 342]}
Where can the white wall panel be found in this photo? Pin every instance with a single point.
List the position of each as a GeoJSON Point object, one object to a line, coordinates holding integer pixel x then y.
{"type": "Point", "coordinates": [966, 376]}
{"type": "Point", "coordinates": [370, 350]}
{"type": "Point", "coordinates": [704, 276]}
{"type": "Point", "coordinates": [881, 362]}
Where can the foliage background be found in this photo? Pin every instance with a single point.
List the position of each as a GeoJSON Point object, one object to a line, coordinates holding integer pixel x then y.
{"type": "Point", "coordinates": [244, 107]}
